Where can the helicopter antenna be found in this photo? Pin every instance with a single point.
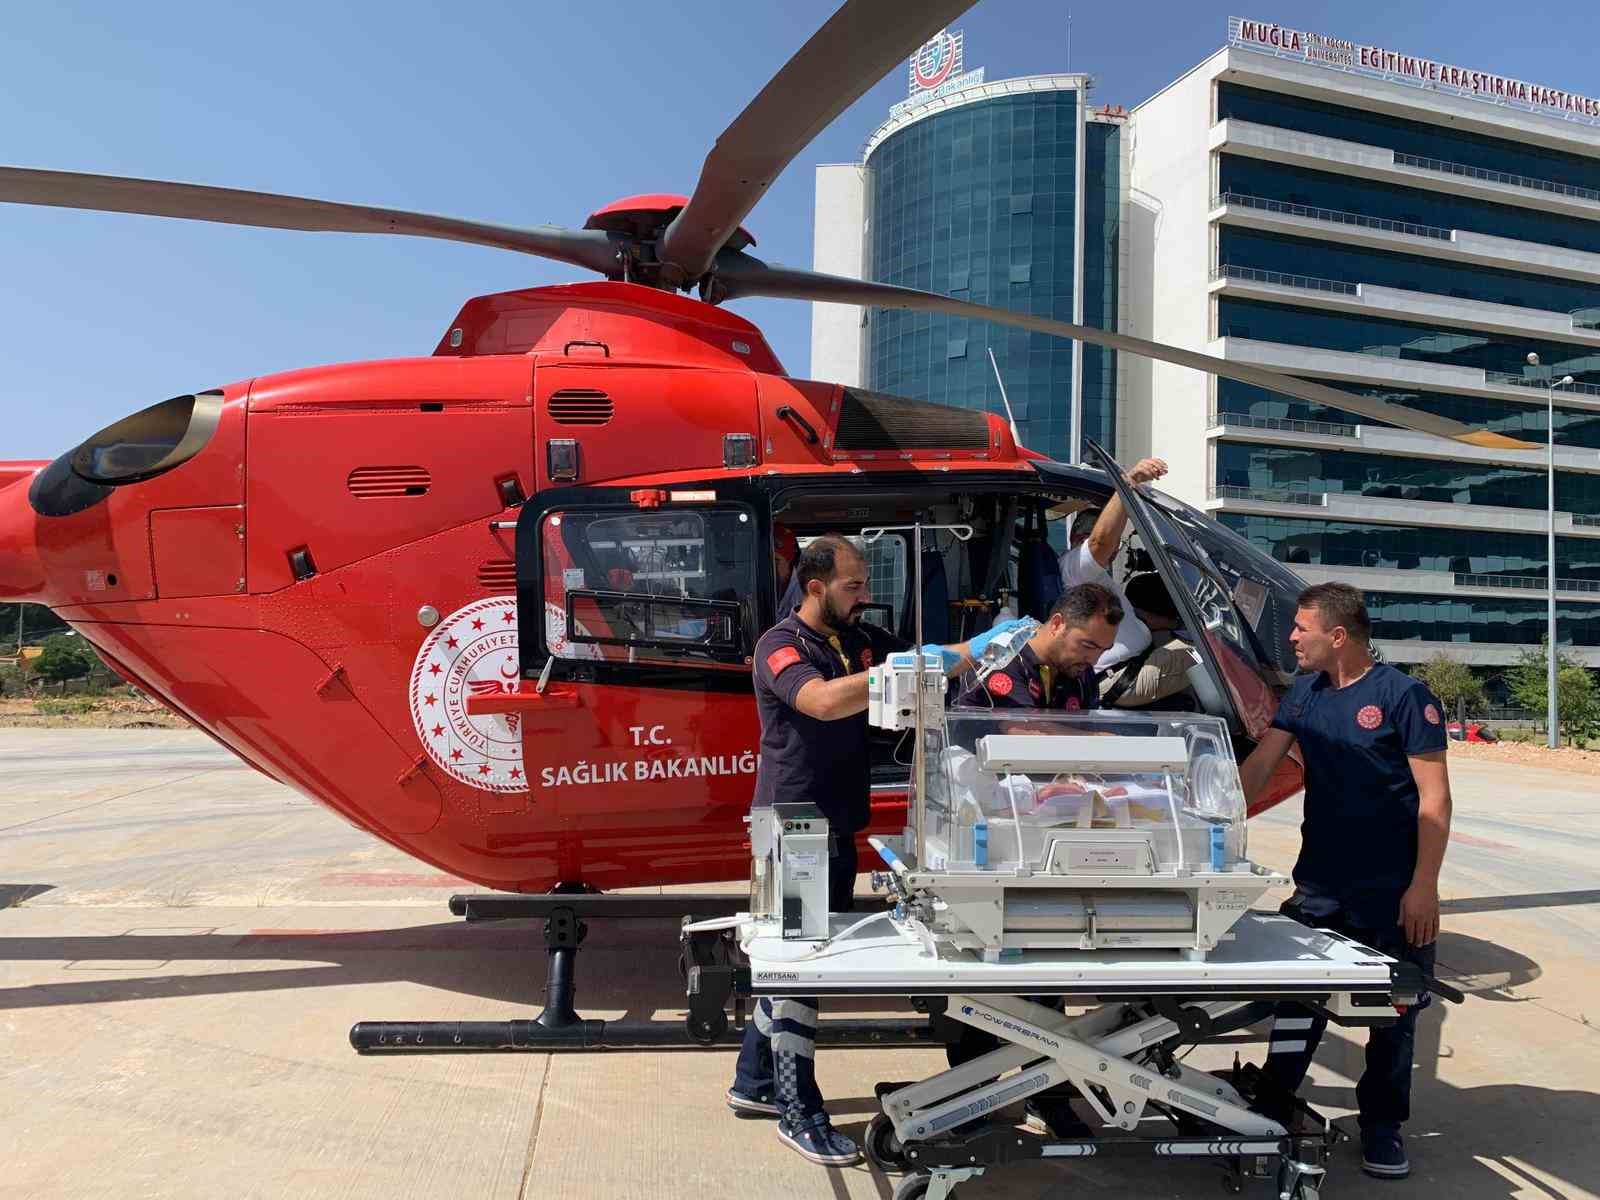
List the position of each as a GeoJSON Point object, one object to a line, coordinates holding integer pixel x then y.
{"type": "Point", "coordinates": [1015, 436]}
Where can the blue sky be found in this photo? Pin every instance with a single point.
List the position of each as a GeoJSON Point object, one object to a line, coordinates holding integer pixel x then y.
{"type": "Point", "coordinates": [519, 113]}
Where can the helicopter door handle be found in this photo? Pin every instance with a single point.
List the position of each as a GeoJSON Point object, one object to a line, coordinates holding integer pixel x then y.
{"type": "Point", "coordinates": [523, 703]}
{"type": "Point", "coordinates": [786, 412]}
{"type": "Point", "coordinates": [567, 349]}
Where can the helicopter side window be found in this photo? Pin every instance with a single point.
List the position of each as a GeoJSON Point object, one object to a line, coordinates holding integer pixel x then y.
{"type": "Point", "coordinates": [672, 586]}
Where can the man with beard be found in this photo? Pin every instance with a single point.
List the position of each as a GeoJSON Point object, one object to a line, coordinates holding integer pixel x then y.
{"type": "Point", "coordinates": [811, 694]}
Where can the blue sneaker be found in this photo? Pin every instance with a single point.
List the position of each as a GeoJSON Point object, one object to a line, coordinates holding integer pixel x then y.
{"type": "Point", "coordinates": [759, 1105]}
{"type": "Point", "coordinates": [1383, 1153]}
{"type": "Point", "coordinates": [816, 1140]}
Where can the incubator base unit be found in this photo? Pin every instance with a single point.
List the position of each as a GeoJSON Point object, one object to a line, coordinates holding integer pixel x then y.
{"type": "Point", "coordinates": [789, 870]}
{"type": "Point", "coordinates": [1088, 831]}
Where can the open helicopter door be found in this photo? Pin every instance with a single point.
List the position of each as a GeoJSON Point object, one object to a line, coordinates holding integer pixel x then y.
{"type": "Point", "coordinates": [638, 612]}
{"type": "Point", "coordinates": [1237, 677]}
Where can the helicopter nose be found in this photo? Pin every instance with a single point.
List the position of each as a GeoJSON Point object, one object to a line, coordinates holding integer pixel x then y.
{"type": "Point", "coordinates": [21, 573]}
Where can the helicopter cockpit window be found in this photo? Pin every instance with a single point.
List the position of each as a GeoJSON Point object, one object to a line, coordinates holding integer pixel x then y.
{"type": "Point", "coordinates": [652, 586]}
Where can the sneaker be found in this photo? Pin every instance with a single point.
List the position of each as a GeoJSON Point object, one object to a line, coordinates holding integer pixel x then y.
{"type": "Point", "coordinates": [816, 1140]}
{"type": "Point", "coordinates": [1057, 1119]}
{"type": "Point", "coordinates": [1383, 1154]}
{"type": "Point", "coordinates": [761, 1105]}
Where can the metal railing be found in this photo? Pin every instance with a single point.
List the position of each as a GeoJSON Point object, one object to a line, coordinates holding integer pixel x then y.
{"type": "Point", "coordinates": [1331, 215]}
{"type": "Point", "coordinates": [1522, 181]}
{"type": "Point", "coordinates": [1592, 522]}
{"type": "Point", "coordinates": [1525, 583]}
{"type": "Point", "coordinates": [1309, 283]}
{"type": "Point", "coordinates": [1227, 491]}
{"type": "Point", "coordinates": [1585, 318]}
{"type": "Point", "coordinates": [1285, 424]}
{"type": "Point", "coordinates": [1506, 379]}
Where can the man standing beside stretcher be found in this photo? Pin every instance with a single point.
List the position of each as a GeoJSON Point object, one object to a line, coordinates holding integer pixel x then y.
{"type": "Point", "coordinates": [1377, 818]}
{"type": "Point", "coordinates": [811, 695]}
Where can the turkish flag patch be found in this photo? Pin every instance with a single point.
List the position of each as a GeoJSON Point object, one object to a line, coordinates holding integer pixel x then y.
{"type": "Point", "coordinates": [866, 658]}
{"type": "Point", "coordinates": [782, 659]}
{"type": "Point", "coordinates": [1073, 704]}
{"type": "Point", "coordinates": [1432, 714]}
{"type": "Point", "coordinates": [1370, 717]}
{"type": "Point", "coordinates": [1000, 684]}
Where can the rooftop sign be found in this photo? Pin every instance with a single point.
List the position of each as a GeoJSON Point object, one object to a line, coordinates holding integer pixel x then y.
{"type": "Point", "coordinates": [934, 70]}
{"type": "Point", "coordinates": [1393, 65]}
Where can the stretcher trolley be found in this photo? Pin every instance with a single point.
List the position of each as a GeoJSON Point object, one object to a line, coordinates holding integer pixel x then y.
{"type": "Point", "coordinates": [1095, 861]}
{"type": "Point", "coordinates": [1140, 1010]}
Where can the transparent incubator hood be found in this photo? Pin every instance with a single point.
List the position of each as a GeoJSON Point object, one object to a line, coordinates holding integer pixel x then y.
{"type": "Point", "coordinates": [1020, 793]}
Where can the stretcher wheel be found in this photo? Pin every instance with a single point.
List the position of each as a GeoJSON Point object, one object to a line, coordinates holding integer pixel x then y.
{"type": "Point", "coordinates": [883, 1149]}
{"type": "Point", "coordinates": [912, 1187]}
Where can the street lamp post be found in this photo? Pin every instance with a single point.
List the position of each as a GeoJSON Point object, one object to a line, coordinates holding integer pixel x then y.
{"type": "Point", "coordinates": [1551, 385]}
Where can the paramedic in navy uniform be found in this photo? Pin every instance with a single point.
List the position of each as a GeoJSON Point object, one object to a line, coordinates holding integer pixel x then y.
{"type": "Point", "coordinates": [811, 695]}
{"type": "Point", "coordinates": [1377, 817]}
{"type": "Point", "coordinates": [1055, 669]}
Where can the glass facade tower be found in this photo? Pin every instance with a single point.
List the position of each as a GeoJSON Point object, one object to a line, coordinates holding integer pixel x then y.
{"type": "Point", "coordinates": [1004, 195]}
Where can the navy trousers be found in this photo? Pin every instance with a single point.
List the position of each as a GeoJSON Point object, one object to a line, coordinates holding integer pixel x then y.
{"type": "Point", "coordinates": [1383, 1094]}
{"type": "Point", "coordinates": [778, 1056]}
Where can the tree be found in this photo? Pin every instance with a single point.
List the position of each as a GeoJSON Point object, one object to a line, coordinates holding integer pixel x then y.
{"type": "Point", "coordinates": [1453, 682]}
{"type": "Point", "coordinates": [64, 657]}
{"type": "Point", "coordinates": [1577, 698]}
{"type": "Point", "coordinates": [36, 619]}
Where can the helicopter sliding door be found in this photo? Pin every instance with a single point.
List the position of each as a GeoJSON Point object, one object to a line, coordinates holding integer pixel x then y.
{"type": "Point", "coordinates": [637, 615]}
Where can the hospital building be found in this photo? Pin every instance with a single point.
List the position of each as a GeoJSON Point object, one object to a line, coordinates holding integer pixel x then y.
{"type": "Point", "coordinates": [1391, 226]}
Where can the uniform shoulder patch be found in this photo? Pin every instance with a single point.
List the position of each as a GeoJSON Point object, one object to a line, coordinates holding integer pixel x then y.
{"type": "Point", "coordinates": [1370, 717]}
{"type": "Point", "coordinates": [782, 659]}
{"type": "Point", "coordinates": [866, 658]}
{"type": "Point", "coordinates": [1073, 704]}
{"type": "Point", "coordinates": [1000, 683]}
{"type": "Point", "coordinates": [1432, 714]}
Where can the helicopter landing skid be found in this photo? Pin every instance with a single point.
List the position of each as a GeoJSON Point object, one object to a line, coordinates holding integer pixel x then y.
{"type": "Point", "coordinates": [560, 1026]}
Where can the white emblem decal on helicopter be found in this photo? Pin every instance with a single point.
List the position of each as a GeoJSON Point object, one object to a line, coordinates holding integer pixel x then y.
{"type": "Point", "coordinates": [472, 652]}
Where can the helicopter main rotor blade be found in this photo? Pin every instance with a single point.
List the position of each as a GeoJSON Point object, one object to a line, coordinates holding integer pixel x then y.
{"type": "Point", "coordinates": [857, 46]}
{"type": "Point", "coordinates": [741, 274]}
{"type": "Point", "coordinates": [229, 206]}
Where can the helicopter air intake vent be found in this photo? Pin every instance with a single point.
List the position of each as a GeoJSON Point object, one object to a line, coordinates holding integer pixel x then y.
{"type": "Point", "coordinates": [874, 421]}
{"type": "Point", "coordinates": [498, 575]}
{"type": "Point", "coordinates": [580, 406]}
{"type": "Point", "coordinates": [378, 483]}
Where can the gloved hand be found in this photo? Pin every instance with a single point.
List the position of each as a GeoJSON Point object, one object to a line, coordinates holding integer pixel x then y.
{"type": "Point", "coordinates": [949, 658]}
{"type": "Point", "coordinates": [982, 640]}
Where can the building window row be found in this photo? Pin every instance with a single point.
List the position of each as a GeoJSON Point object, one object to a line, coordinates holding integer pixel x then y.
{"type": "Point", "coordinates": [1279, 183]}
{"type": "Point", "coordinates": [1402, 618]}
{"type": "Point", "coordinates": [1260, 408]}
{"type": "Point", "coordinates": [1425, 140]}
{"type": "Point", "coordinates": [1357, 264]}
{"type": "Point", "coordinates": [1409, 548]}
{"type": "Point", "coordinates": [1265, 470]}
{"type": "Point", "coordinates": [1399, 339]}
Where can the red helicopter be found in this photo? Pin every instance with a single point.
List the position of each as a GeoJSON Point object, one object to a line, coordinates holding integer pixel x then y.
{"type": "Point", "coordinates": [496, 605]}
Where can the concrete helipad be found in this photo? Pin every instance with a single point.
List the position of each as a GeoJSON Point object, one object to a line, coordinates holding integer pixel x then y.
{"type": "Point", "coordinates": [186, 945]}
